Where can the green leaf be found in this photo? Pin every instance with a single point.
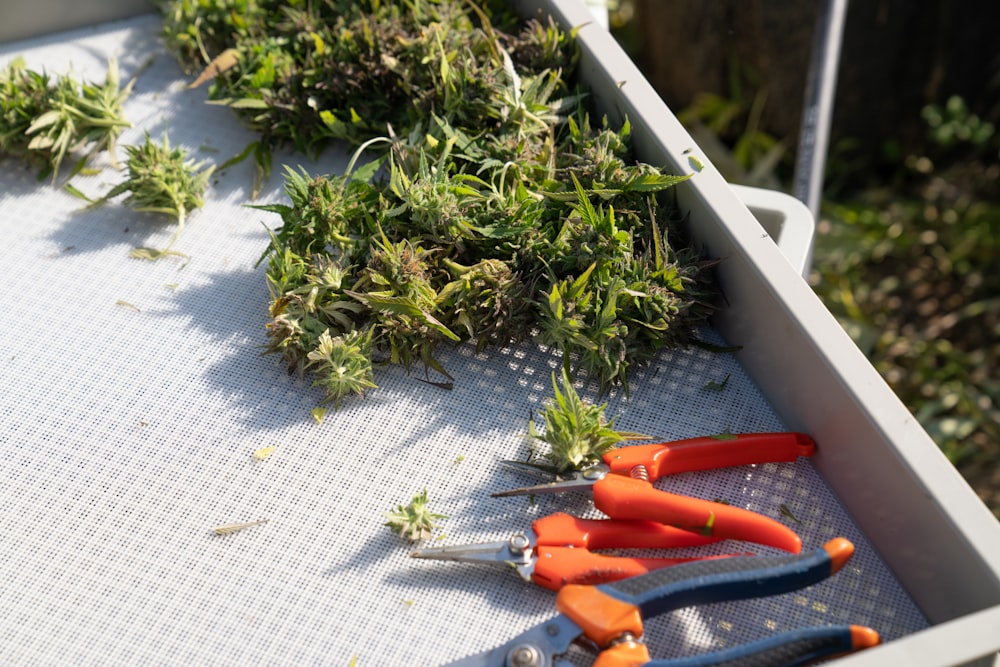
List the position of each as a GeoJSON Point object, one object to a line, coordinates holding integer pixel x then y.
{"type": "Point", "coordinates": [712, 385]}
{"type": "Point", "coordinates": [401, 305]}
{"type": "Point", "coordinates": [249, 103]}
{"type": "Point", "coordinates": [654, 182]}
{"type": "Point", "coordinates": [242, 155]}
{"type": "Point", "coordinates": [76, 193]}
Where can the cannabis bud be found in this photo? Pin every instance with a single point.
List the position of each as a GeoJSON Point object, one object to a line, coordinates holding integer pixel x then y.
{"type": "Point", "coordinates": [576, 432]}
{"type": "Point", "coordinates": [414, 521]}
{"type": "Point", "coordinates": [161, 179]}
{"type": "Point", "coordinates": [45, 119]}
{"type": "Point", "coordinates": [342, 364]}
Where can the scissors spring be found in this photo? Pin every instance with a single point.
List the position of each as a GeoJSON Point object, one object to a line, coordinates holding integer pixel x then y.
{"type": "Point", "coordinates": [639, 472]}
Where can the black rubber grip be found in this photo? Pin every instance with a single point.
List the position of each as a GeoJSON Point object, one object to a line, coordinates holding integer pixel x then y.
{"type": "Point", "coordinates": [735, 578]}
{"type": "Point", "coordinates": [792, 649]}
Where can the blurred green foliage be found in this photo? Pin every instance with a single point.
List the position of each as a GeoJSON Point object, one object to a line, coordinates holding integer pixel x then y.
{"type": "Point", "coordinates": [728, 129]}
{"type": "Point", "coordinates": [905, 264]}
{"type": "Point", "coordinates": [909, 270]}
{"type": "Point", "coordinates": [905, 258]}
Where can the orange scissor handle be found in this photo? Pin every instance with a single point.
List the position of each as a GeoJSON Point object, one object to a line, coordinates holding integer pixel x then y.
{"type": "Point", "coordinates": [602, 617]}
{"type": "Point", "coordinates": [710, 452]}
{"type": "Point", "coordinates": [625, 654]}
{"type": "Point", "coordinates": [556, 567]}
{"type": "Point", "coordinates": [626, 498]}
{"type": "Point", "coordinates": [565, 530]}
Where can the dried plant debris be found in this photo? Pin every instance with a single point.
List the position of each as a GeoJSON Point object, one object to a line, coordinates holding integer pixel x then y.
{"type": "Point", "coordinates": [492, 209]}
{"type": "Point", "coordinates": [576, 433]}
{"type": "Point", "coordinates": [712, 385]}
{"type": "Point", "coordinates": [230, 528]}
{"type": "Point", "coordinates": [161, 179]}
{"type": "Point", "coordinates": [44, 118]}
{"type": "Point", "coordinates": [263, 453]}
{"type": "Point", "coordinates": [413, 521]}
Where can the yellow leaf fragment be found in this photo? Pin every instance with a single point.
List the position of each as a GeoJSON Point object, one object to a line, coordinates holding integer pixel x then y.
{"type": "Point", "coordinates": [231, 528]}
{"type": "Point", "coordinates": [220, 63]}
{"type": "Point", "coordinates": [126, 304]}
{"type": "Point", "coordinates": [318, 413]}
{"type": "Point", "coordinates": [152, 254]}
{"type": "Point", "coordinates": [263, 452]}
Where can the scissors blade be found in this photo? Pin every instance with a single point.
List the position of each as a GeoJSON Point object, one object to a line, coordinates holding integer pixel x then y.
{"type": "Point", "coordinates": [536, 470]}
{"type": "Point", "coordinates": [547, 641]}
{"type": "Point", "coordinates": [515, 551]}
{"type": "Point", "coordinates": [581, 480]}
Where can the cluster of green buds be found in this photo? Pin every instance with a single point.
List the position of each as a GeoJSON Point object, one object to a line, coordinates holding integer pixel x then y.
{"type": "Point", "coordinates": [43, 119]}
{"type": "Point", "coordinates": [308, 73]}
{"type": "Point", "coordinates": [493, 210]}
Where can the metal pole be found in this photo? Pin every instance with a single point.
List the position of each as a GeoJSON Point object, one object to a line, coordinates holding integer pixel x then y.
{"type": "Point", "coordinates": [821, 84]}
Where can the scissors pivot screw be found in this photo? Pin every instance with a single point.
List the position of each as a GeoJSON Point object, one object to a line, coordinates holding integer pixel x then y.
{"type": "Point", "coordinates": [524, 655]}
{"type": "Point", "coordinates": [519, 543]}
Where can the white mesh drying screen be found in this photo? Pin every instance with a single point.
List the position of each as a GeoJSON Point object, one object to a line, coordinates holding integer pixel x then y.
{"type": "Point", "coordinates": [135, 392]}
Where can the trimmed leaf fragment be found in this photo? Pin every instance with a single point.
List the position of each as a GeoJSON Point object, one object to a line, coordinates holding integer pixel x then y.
{"type": "Point", "coordinates": [712, 385]}
{"type": "Point", "coordinates": [783, 508]}
{"type": "Point", "coordinates": [263, 452]}
{"type": "Point", "coordinates": [220, 63]}
{"type": "Point", "coordinates": [231, 528]}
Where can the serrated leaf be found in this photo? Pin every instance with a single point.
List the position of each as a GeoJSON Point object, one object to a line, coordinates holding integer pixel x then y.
{"type": "Point", "coordinates": [654, 182]}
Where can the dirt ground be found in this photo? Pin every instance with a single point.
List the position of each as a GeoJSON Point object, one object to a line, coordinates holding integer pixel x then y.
{"type": "Point", "coordinates": [984, 477]}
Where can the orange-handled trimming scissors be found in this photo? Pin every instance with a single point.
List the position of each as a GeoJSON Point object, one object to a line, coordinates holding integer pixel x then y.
{"type": "Point", "coordinates": [558, 550]}
{"type": "Point", "coordinates": [622, 484]}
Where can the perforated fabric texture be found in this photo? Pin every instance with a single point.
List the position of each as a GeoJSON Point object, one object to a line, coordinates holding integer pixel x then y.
{"type": "Point", "coordinates": [134, 394]}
